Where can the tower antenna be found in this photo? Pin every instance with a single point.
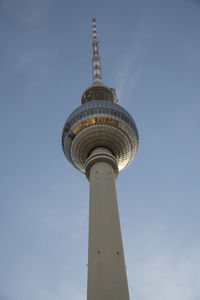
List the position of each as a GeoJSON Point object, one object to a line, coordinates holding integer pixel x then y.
{"type": "Point", "coordinates": [96, 62]}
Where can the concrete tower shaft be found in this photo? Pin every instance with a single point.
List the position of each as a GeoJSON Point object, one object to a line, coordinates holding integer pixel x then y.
{"type": "Point", "coordinates": [106, 266]}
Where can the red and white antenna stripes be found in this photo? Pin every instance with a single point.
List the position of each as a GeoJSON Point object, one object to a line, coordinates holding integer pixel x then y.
{"type": "Point", "coordinates": [96, 63]}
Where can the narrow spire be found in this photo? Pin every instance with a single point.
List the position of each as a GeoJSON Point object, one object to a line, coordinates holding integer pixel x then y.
{"type": "Point", "coordinates": [96, 62]}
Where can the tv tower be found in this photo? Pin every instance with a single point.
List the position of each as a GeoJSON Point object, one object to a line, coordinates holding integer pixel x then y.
{"type": "Point", "coordinates": [100, 139]}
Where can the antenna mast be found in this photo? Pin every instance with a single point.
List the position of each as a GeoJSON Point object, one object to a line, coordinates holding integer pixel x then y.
{"type": "Point", "coordinates": [96, 62]}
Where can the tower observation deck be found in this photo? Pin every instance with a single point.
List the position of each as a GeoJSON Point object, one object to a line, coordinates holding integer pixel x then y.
{"type": "Point", "coordinates": [100, 139]}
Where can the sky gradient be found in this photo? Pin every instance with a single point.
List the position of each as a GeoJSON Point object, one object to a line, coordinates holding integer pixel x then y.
{"type": "Point", "coordinates": [150, 52]}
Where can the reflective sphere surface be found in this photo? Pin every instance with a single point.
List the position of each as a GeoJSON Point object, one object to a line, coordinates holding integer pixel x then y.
{"type": "Point", "coordinates": [100, 123]}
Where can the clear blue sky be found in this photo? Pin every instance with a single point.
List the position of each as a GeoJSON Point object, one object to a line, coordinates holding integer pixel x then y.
{"type": "Point", "coordinates": [150, 53]}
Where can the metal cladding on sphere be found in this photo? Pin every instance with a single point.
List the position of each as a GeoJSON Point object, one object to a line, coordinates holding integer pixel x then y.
{"type": "Point", "coordinates": [99, 122]}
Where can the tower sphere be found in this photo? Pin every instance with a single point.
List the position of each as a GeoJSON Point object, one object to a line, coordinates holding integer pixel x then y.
{"type": "Point", "coordinates": [99, 122]}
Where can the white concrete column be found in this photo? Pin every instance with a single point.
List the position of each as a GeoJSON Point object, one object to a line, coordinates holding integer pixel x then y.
{"type": "Point", "coordinates": [107, 278]}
